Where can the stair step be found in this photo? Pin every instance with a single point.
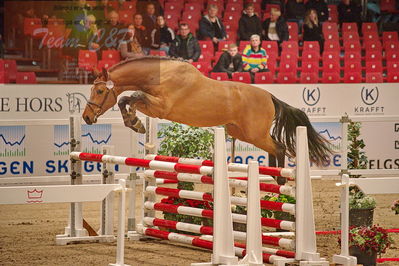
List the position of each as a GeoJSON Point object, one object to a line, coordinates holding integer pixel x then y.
{"type": "Point", "coordinates": [58, 82]}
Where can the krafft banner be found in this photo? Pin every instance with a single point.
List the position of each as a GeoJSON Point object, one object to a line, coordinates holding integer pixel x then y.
{"type": "Point", "coordinates": [28, 148]}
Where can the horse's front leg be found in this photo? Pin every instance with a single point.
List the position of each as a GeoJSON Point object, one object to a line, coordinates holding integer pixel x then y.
{"type": "Point", "coordinates": [130, 118]}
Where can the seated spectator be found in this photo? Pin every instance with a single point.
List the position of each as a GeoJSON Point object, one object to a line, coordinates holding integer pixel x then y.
{"type": "Point", "coordinates": [149, 18]}
{"type": "Point", "coordinates": [312, 30]}
{"type": "Point", "coordinates": [249, 23]}
{"type": "Point", "coordinates": [87, 36]}
{"type": "Point", "coordinates": [211, 27]}
{"type": "Point", "coordinates": [162, 36]}
{"type": "Point", "coordinates": [112, 33]}
{"type": "Point", "coordinates": [349, 11]}
{"type": "Point", "coordinates": [141, 6]}
{"type": "Point", "coordinates": [185, 45]}
{"type": "Point", "coordinates": [102, 11]}
{"type": "Point", "coordinates": [254, 57]}
{"type": "Point", "coordinates": [130, 47]}
{"type": "Point", "coordinates": [321, 7]}
{"type": "Point", "coordinates": [295, 12]}
{"type": "Point", "coordinates": [230, 61]}
{"type": "Point", "coordinates": [141, 33]}
{"type": "Point", "coordinates": [275, 28]}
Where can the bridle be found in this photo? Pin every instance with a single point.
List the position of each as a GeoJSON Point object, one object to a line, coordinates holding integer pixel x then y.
{"type": "Point", "coordinates": [110, 87]}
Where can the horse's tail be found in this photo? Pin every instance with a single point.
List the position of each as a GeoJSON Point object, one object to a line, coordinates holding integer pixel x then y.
{"type": "Point", "coordinates": [286, 119]}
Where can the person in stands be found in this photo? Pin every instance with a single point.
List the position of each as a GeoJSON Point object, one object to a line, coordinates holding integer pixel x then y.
{"type": "Point", "coordinates": [211, 27]}
{"type": "Point", "coordinates": [230, 61]}
{"type": "Point", "coordinates": [185, 45]}
{"type": "Point", "coordinates": [254, 57]}
{"type": "Point", "coordinates": [249, 23]}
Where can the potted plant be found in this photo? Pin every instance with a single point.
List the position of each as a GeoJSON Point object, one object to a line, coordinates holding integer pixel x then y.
{"type": "Point", "coordinates": [361, 206]}
{"type": "Point", "coordinates": [279, 215]}
{"type": "Point", "coordinates": [366, 242]}
{"type": "Point", "coordinates": [188, 142]}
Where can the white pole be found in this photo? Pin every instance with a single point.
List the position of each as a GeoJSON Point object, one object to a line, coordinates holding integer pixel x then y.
{"type": "Point", "coordinates": [107, 214]}
{"type": "Point", "coordinates": [131, 183]}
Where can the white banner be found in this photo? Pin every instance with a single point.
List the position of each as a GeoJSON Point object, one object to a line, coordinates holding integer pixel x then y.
{"type": "Point", "coordinates": [34, 134]}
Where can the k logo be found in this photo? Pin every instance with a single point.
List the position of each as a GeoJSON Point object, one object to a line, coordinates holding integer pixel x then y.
{"type": "Point", "coordinates": [311, 96]}
{"type": "Point", "coordinates": [370, 96]}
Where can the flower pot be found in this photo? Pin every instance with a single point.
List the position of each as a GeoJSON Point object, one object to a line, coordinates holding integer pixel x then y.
{"type": "Point", "coordinates": [363, 257]}
{"type": "Point", "coordinates": [361, 217]}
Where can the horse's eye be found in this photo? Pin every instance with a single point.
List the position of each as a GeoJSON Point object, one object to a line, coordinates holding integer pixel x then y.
{"type": "Point", "coordinates": [99, 91]}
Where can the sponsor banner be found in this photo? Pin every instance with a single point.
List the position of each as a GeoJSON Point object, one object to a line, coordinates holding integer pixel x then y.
{"type": "Point", "coordinates": [42, 150]}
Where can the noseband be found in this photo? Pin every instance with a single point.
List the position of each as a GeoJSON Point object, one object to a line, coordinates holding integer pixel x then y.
{"type": "Point", "coordinates": [100, 106]}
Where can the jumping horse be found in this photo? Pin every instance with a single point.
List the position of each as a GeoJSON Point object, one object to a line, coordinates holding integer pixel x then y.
{"type": "Point", "coordinates": [175, 90]}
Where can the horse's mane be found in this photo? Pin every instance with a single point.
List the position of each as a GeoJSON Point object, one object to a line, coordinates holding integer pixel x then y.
{"type": "Point", "coordinates": [124, 62]}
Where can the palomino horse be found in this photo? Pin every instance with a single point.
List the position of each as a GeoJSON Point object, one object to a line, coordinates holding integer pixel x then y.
{"type": "Point", "coordinates": [175, 90]}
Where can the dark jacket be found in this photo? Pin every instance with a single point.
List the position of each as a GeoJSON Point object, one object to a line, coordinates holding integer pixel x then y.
{"type": "Point", "coordinates": [206, 28]}
{"type": "Point", "coordinates": [143, 36]}
{"type": "Point", "coordinates": [225, 60]}
{"type": "Point", "coordinates": [281, 28]}
{"type": "Point", "coordinates": [321, 7]}
{"type": "Point", "coordinates": [314, 34]}
{"type": "Point", "coordinates": [193, 48]}
{"type": "Point", "coordinates": [349, 13]}
{"type": "Point", "coordinates": [149, 23]}
{"type": "Point", "coordinates": [112, 35]}
{"type": "Point", "coordinates": [280, 3]}
{"type": "Point", "coordinates": [163, 35]}
{"type": "Point", "coordinates": [247, 26]}
{"type": "Point", "coordinates": [295, 10]}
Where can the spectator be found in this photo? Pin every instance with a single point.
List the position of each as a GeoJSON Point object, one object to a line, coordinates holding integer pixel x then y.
{"type": "Point", "coordinates": [102, 11]}
{"type": "Point", "coordinates": [321, 7]}
{"type": "Point", "coordinates": [185, 45]}
{"type": "Point", "coordinates": [254, 57]}
{"type": "Point", "coordinates": [141, 6]}
{"type": "Point", "coordinates": [312, 30]}
{"type": "Point", "coordinates": [211, 27]}
{"type": "Point", "coordinates": [295, 12]}
{"type": "Point", "coordinates": [149, 18]}
{"type": "Point", "coordinates": [112, 33]}
{"type": "Point", "coordinates": [87, 37]}
{"type": "Point", "coordinates": [130, 47]}
{"type": "Point", "coordinates": [162, 36]}
{"type": "Point", "coordinates": [230, 61]}
{"type": "Point", "coordinates": [141, 33]}
{"type": "Point", "coordinates": [249, 23]}
{"type": "Point", "coordinates": [275, 28]}
{"type": "Point", "coordinates": [349, 11]}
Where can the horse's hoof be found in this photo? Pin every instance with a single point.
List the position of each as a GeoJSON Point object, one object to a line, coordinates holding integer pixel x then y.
{"type": "Point", "coordinates": [141, 130]}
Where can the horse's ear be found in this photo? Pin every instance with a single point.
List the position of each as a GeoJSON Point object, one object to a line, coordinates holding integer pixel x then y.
{"type": "Point", "coordinates": [96, 72]}
{"type": "Point", "coordinates": [105, 74]}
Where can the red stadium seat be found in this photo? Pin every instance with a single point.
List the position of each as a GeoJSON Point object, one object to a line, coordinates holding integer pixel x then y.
{"type": "Point", "coordinates": [157, 52]}
{"type": "Point", "coordinates": [370, 36]}
{"type": "Point", "coordinates": [331, 66]}
{"type": "Point", "coordinates": [290, 46]}
{"type": "Point", "coordinates": [373, 67]}
{"type": "Point", "coordinates": [230, 17]}
{"type": "Point", "coordinates": [388, 6]}
{"type": "Point", "coordinates": [206, 46]}
{"type": "Point", "coordinates": [331, 77]}
{"type": "Point", "coordinates": [332, 46]}
{"type": "Point", "coordinates": [293, 31]}
{"type": "Point", "coordinates": [350, 36]}
{"type": "Point", "coordinates": [288, 56]}
{"type": "Point", "coordinates": [219, 76]}
{"type": "Point", "coordinates": [329, 56]}
{"type": "Point", "coordinates": [31, 24]}
{"type": "Point", "coordinates": [349, 27]}
{"type": "Point", "coordinates": [369, 27]}
{"type": "Point", "coordinates": [309, 78]}
{"type": "Point", "coordinates": [231, 25]}
{"type": "Point", "coordinates": [191, 16]}
{"type": "Point", "coordinates": [218, 54]}
{"type": "Point", "coordinates": [352, 77]}
{"type": "Point", "coordinates": [203, 67]}
{"type": "Point", "coordinates": [174, 6]}
{"type": "Point", "coordinates": [310, 67]}
{"type": "Point", "coordinates": [231, 35]}
{"type": "Point", "coordinates": [352, 46]}
{"type": "Point", "coordinates": [244, 77]}
{"type": "Point", "coordinates": [393, 77]}
{"type": "Point", "coordinates": [131, 6]}
{"type": "Point", "coordinates": [286, 77]}
{"type": "Point", "coordinates": [10, 69]}
{"type": "Point", "coordinates": [193, 7]}
{"type": "Point", "coordinates": [271, 47]}
{"type": "Point", "coordinates": [392, 55]}
{"type": "Point", "coordinates": [264, 78]}
{"type": "Point", "coordinates": [243, 44]}
{"type": "Point", "coordinates": [26, 78]}
{"type": "Point", "coordinates": [373, 56]}
{"type": "Point", "coordinates": [374, 78]}
{"type": "Point", "coordinates": [126, 16]}
{"type": "Point", "coordinates": [87, 59]}
{"type": "Point", "coordinates": [352, 66]}
{"type": "Point", "coordinates": [111, 55]}
{"type": "Point", "coordinates": [330, 31]}
{"type": "Point", "coordinates": [372, 45]}
{"type": "Point", "coordinates": [224, 45]}
{"type": "Point", "coordinates": [310, 56]}
{"type": "Point", "coordinates": [205, 56]}
{"type": "Point", "coordinates": [388, 36]}
{"type": "Point", "coordinates": [234, 7]}
{"type": "Point", "coordinates": [105, 63]}
{"type": "Point", "coordinates": [311, 46]}
{"type": "Point", "coordinates": [393, 66]}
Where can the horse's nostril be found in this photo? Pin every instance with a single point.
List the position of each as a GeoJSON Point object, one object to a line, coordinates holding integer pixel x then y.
{"type": "Point", "coordinates": [87, 120]}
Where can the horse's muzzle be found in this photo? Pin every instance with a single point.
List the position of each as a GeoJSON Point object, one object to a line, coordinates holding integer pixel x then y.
{"type": "Point", "coordinates": [87, 120]}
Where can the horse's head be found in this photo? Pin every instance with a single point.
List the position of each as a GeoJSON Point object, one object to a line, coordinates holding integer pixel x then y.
{"type": "Point", "coordinates": [102, 98]}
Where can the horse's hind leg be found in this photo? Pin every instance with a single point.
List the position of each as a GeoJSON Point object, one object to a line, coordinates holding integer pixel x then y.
{"type": "Point", "coordinates": [130, 118]}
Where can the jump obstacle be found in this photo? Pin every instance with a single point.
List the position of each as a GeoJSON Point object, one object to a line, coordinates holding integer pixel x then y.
{"type": "Point", "coordinates": [224, 248]}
